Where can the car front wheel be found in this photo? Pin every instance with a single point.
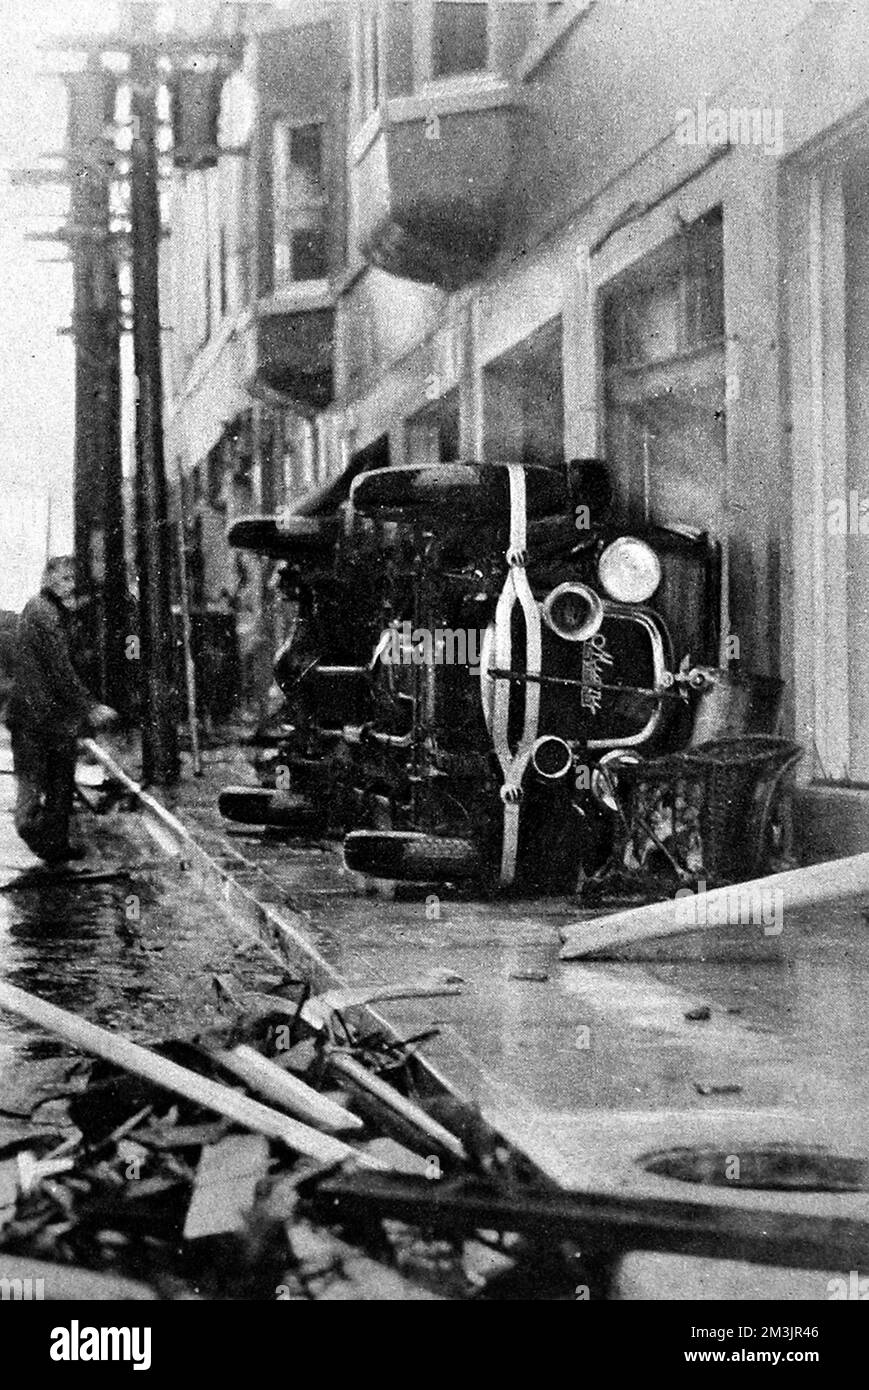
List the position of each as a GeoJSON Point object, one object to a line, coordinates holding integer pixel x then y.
{"type": "Point", "coordinates": [411, 856]}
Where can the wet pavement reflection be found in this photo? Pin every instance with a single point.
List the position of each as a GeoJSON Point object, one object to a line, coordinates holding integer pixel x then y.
{"type": "Point", "coordinates": [123, 940]}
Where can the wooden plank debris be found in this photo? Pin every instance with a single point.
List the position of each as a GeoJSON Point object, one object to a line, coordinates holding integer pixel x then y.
{"type": "Point", "coordinates": [283, 1089]}
{"type": "Point", "coordinates": [829, 882]}
{"type": "Point", "coordinates": [414, 1126]}
{"type": "Point", "coordinates": [437, 984]}
{"type": "Point", "coordinates": [604, 1223]}
{"type": "Point", "coordinates": [250, 1114]}
{"type": "Point", "coordinates": [225, 1187]}
{"type": "Point", "coordinates": [174, 1137]}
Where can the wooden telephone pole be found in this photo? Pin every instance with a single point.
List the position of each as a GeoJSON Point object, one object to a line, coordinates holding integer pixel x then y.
{"type": "Point", "coordinates": [98, 482]}
{"type": "Point", "coordinates": [153, 538]}
{"type": "Point", "coordinates": [150, 55]}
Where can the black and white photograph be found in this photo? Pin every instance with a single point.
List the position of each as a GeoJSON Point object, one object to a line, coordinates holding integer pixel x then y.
{"type": "Point", "coordinates": [434, 615]}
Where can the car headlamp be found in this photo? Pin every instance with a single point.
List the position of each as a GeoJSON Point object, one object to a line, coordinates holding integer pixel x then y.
{"type": "Point", "coordinates": [629, 570]}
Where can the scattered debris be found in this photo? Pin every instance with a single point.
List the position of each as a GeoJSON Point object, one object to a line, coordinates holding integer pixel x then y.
{"type": "Point", "coordinates": [724, 1088]}
{"type": "Point", "coordinates": [604, 1224]}
{"type": "Point", "coordinates": [394, 1111]}
{"type": "Point", "coordinates": [157, 1192]}
{"type": "Point", "coordinates": [287, 1091]}
{"type": "Point", "coordinates": [226, 1186]}
{"type": "Point", "coordinates": [438, 984]}
{"type": "Point", "coordinates": [536, 976]}
{"type": "Point", "coordinates": [701, 1014]}
{"type": "Point", "coordinates": [250, 1114]}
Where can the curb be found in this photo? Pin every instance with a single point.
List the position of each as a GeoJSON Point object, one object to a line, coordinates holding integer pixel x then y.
{"type": "Point", "coordinates": [280, 932]}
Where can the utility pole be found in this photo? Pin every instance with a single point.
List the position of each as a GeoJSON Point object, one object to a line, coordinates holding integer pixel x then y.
{"type": "Point", "coordinates": [98, 483]}
{"type": "Point", "coordinates": [154, 544]}
{"type": "Point", "coordinates": [202, 62]}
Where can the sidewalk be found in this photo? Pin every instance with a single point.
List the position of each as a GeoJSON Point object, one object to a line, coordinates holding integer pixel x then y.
{"type": "Point", "coordinates": [725, 1039]}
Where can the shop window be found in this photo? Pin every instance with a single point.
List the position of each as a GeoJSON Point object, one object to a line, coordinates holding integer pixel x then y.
{"type": "Point", "coordinates": [460, 37]}
{"type": "Point", "coordinates": [523, 400]}
{"type": "Point", "coordinates": [299, 204]}
{"type": "Point", "coordinates": [664, 378]}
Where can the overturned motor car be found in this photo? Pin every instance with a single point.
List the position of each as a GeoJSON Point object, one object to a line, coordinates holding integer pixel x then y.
{"type": "Point", "coordinates": [475, 649]}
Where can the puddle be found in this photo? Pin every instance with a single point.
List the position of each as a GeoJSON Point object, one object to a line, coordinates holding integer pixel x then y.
{"type": "Point", "coordinates": [773, 1167]}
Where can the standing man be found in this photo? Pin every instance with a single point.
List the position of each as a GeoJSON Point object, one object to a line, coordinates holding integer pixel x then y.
{"type": "Point", "coordinates": [48, 709]}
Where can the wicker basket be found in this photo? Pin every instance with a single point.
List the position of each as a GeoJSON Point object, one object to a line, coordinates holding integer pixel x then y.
{"type": "Point", "coordinates": [739, 779]}
{"type": "Point", "coordinates": [707, 808]}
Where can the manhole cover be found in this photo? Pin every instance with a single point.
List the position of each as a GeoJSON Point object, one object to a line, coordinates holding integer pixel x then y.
{"type": "Point", "coordinates": [777, 1167]}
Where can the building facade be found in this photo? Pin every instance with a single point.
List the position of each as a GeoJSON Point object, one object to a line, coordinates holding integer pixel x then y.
{"type": "Point", "coordinates": [544, 231]}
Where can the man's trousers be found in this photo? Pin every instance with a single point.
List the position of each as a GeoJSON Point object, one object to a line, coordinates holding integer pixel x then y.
{"type": "Point", "coordinates": [46, 784]}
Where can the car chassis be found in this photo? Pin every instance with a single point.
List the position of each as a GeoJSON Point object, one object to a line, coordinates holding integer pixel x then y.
{"type": "Point", "coordinates": [475, 650]}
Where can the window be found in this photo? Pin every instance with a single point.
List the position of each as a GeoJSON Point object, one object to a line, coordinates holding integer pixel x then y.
{"type": "Point", "coordinates": [300, 251]}
{"type": "Point", "coordinates": [663, 358]}
{"type": "Point", "coordinates": [460, 38]}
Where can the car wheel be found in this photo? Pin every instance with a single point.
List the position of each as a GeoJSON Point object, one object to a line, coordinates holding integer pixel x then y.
{"type": "Point", "coordinates": [406, 854]}
{"type": "Point", "coordinates": [285, 537]}
{"type": "Point", "coordinates": [463, 490]}
{"type": "Point", "coordinates": [265, 806]}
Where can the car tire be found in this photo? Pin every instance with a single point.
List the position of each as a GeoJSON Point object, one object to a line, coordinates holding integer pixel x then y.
{"type": "Point", "coordinates": [265, 806]}
{"type": "Point", "coordinates": [478, 491]}
{"type": "Point", "coordinates": [285, 537]}
{"type": "Point", "coordinates": [413, 857]}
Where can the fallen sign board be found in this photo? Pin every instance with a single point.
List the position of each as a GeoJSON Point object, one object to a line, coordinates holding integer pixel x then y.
{"type": "Point", "coordinates": [250, 1114]}
{"type": "Point", "coordinates": [831, 881]}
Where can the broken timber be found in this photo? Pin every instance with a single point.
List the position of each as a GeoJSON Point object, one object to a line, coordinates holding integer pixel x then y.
{"type": "Point", "coordinates": [250, 1114]}
{"type": "Point", "coordinates": [286, 1091]}
{"type": "Point", "coordinates": [226, 1186]}
{"type": "Point", "coordinates": [414, 1127]}
{"type": "Point", "coordinates": [818, 883]}
{"type": "Point", "coordinates": [604, 1224]}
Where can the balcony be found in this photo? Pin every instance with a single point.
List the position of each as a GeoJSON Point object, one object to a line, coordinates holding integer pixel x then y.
{"type": "Point", "coordinates": [294, 349]}
{"type": "Point", "coordinates": [432, 177]}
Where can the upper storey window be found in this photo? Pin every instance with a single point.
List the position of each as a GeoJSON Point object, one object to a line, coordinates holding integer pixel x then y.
{"type": "Point", "coordinates": [460, 38]}
{"type": "Point", "coordinates": [299, 204]}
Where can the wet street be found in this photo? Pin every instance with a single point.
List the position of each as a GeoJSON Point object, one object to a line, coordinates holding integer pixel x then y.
{"type": "Point", "coordinates": [727, 1019]}
{"type": "Point", "coordinates": [136, 952]}
{"type": "Point", "coordinates": [721, 1041]}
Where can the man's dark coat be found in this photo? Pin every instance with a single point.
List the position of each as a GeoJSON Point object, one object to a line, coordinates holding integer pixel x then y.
{"type": "Point", "coordinates": [48, 700]}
